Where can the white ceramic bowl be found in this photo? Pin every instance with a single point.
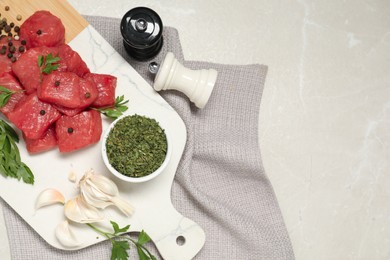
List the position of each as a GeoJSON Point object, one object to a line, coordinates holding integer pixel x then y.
{"type": "Point", "coordinates": [136, 179]}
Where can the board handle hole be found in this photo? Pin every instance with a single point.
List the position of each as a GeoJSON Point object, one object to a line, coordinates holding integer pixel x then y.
{"type": "Point", "coordinates": [180, 240]}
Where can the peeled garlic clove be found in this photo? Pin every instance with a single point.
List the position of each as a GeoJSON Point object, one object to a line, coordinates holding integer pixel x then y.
{"type": "Point", "coordinates": [79, 211]}
{"type": "Point", "coordinates": [49, 197]}
{"type": "Point", "coordinates": [65, 235]}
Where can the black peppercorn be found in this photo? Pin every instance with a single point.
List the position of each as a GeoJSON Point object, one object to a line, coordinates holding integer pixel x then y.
{"type": "Point", "coordinates": [42, 112]}
{"type": "Point", "coordinates": [39, 32]}
{"type": "Point", "coordinates": [70, 130]}
{"type": "Point", "coordinates": [56, 83]}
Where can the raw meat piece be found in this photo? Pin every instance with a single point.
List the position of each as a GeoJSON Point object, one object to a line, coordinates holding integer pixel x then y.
{"type": "Point", "coordinates": [42, 29]}
{"type": "Point", "coordinates": [33, 116]}
{"type": "Point", "coordinates": [79, 131]}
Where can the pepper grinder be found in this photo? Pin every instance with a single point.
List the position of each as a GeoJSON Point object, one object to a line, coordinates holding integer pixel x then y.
{"type": "Point", "coordinates": [141, 29]}
{"type": "Point", "coordinates": [197, 85]}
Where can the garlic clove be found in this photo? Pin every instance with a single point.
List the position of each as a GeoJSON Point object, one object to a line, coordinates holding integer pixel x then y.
{"type": "Point", "coordinates": [103, 184]}
{"type": "Point", "coordinates": [123, 205]}
{"type": "Point", "coordinates": [79, 211]}
{"type": "Point", "coordinates": [65, 235]}
{"type": "Point", "coordinates": [49, 197]}
{"type": "Point", "coordinates": [90, 197]}
{"type": "Point", "coordinates": [101, 192]}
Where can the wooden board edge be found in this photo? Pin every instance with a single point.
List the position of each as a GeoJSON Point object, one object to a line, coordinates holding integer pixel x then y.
{"type": "Point", "coordinates": [74, 23]}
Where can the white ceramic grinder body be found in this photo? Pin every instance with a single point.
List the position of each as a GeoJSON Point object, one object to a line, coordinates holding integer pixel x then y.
{"type": "Point", "coordinates": [197, 85]}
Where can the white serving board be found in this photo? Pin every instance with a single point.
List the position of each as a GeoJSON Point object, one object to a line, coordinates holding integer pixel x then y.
{"type": "Point", "coordinates": [154, 211]}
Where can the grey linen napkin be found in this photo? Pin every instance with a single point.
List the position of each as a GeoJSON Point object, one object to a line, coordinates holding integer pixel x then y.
{"type": "Point", "coordinates": [220, 182]}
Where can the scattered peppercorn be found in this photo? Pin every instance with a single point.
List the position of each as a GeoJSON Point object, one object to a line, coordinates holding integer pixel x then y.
{"type": "Point", "coordinates": [10, 43]}
{"type": "Point", "coordinates": [23, 42]}
{"type": "Point", "coordinates": [9, 55]}
{"type": "Point", "coordinates": [2, 51]}
{"type": "Point", "coordinates": [13, 59]}
{"type": "Point", "coordinates": [12, 49]}
{"type": "Point", "coordinates": [17, 29]}
{"type": "Point", "coordinates": [21, 49]}
{"type": "Point", "coordinates": [7, 8]}
{"type": "Point", "coordinates": [42, 112]}
{"type": "Point", "coordinates": [39, 32]}
{"type": "Point", "coordinates": [18, 17]}
{"type": "Point", "coordinates": [70, 130]}
{"type": "Point", "coordinates": [87, 95]}
{"type": "Point", "coordinates": [57, 83]}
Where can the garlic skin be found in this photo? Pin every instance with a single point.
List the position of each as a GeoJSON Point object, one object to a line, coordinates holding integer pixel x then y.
{"type": "Point", "coordinates": [65, 235]}
{"type": "Point", "coordinates": [79, 211]}
{"type": "Point", "coordinates": [49, 197]}
{"type": "Point", "coordinates": [101, 192]}
{"type": "Point", "coordinates": [72, 177]}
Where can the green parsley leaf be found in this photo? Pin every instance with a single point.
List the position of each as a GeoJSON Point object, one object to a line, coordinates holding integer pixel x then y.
{"type": "Point", "coordinates": [119, 250]}
{"type": "Point", "coordinates": [5, 95]}
{"type": "Point", "coordinates": [10, 161]}
{"type": "Point", "coordinates": [116, 110]}
{"type": "Point", "coordinates": [48, 63]}
{"type": "Point", "coordinates": [121, 245]}
{"type": "Point", "coordinates": [117, 229]}
{"type": "Point", "coordinates": [143, 238]}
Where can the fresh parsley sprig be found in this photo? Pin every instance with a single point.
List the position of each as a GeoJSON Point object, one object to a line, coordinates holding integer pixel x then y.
{"type": "Point", "coordinates": [48, 63]}
{"type": "Point", "coordinates": [120, 242]}
{"type": "Point", "coordinates": [10, 161]}
{"type": "Point", "coordinates": [5, 95]}
{"type": "Point", "coordinates": [116, 110]}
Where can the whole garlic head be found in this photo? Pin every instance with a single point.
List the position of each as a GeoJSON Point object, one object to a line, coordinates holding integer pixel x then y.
{"type": "Point", "coordinates": [101, 192]}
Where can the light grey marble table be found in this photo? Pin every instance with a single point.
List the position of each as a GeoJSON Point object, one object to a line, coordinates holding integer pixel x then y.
{"type": "Point", "coordinates": [325, 113]}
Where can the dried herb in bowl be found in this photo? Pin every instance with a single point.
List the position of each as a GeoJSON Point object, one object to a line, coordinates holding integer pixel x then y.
{"type": "Point", "coordinates": [136, 146]}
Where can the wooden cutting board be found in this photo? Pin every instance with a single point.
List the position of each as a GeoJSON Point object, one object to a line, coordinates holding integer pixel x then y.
{"type": "Point", "coordinates": [72, 20]}
{"type": "Point", "coordinates": [175, 236]}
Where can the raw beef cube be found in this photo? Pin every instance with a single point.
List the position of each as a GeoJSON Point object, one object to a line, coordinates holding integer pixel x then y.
{"type": "Point", "coordinates": [88, 93]}
{"type": "Point", "coordinates": [81, 130]}
{"type": "Point", "coordinates": [42, 29]}
{"type": "Point", "coordinates": [8, 81]}
{"type": "Point", "coordinates": [46, 142]}
{"type": "Point", "coordinates": [60, 88]}
{"type": "Point", "coordinates": [33, 116]}
{"type": "Point", "coordinates": [27, 70]}
{"type": "Point", "coordinates": [106, 85]}
{"type": "Point", "coordinates": [71, 61]}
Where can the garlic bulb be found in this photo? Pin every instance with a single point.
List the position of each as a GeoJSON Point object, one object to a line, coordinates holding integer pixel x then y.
{"type": "Point", "coordinates": [49, 197]}
{"type": "Point", "coordinates": [65, 235]}
{"type": "Point", "coordinates": [100, 192]}
{"type": "Point", "coordinates": [79, 211]}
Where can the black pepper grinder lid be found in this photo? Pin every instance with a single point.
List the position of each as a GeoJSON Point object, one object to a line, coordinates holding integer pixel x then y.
{"type": "Point", "coordinates": [141, 29]}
